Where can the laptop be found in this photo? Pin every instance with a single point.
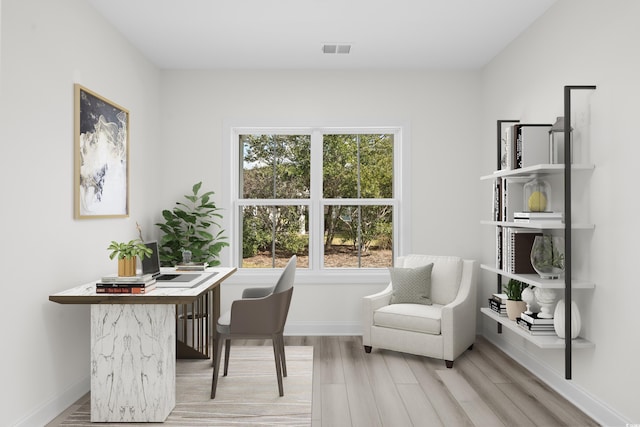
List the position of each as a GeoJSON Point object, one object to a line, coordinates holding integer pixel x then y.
{"type": "Point", "coordinates": [151, 265]}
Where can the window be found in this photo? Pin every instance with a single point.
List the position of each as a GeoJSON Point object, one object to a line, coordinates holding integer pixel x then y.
{"type": "Point", "coordinates": [329, 196]}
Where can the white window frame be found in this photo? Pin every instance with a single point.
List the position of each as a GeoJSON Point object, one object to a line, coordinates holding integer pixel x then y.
{"type": "Point", "coordinates": [316, 273]}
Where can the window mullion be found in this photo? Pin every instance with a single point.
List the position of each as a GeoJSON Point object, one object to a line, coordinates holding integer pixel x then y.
{"type": "Point", "coordinates": [317, 209]}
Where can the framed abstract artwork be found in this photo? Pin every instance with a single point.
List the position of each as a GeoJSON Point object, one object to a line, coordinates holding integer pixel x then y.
{"type": "Point", "coordinates": [101, 156]}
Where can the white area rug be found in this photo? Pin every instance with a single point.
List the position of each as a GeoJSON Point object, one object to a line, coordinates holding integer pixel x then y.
{"type": "Point", "coordinates": [248, 396]}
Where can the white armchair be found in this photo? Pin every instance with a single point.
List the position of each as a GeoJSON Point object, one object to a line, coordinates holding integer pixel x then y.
{"type": "Point", "coordinates": [443, 330]}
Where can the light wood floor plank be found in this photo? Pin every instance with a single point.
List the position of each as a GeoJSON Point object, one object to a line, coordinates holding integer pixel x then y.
{"type": "Point", "coordinates": [398, 367]}
{"type": "Point", "coordinates": [418, 406]}
{"type": "Point", "coordinates": [362, 402]}
{"type": "Point", "coordinates": [335, 406]}
{"type": "Point", "coordinates": [501, 405]}
{"type": "Point", "coordinates": [477, 410]}
{"type": "Point", "coordinates": [449, 411]}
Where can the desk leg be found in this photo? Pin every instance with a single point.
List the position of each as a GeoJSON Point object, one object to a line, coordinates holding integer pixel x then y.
{"type": "Point", "coordinates": [133, 363]}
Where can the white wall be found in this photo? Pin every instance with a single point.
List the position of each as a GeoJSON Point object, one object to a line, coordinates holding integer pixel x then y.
{"type": "Point", "coordinates": [46, 48]}
{"type": "Point", "coordinates": [440, 108]}
{"type": "Point", "coordinates": [582, 42]}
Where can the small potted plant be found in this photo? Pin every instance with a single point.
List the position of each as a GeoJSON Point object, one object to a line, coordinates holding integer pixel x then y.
{"type": "Point", "coordinates": [515, 305]}
{"type": "Point", "coordinates": [127, 253]}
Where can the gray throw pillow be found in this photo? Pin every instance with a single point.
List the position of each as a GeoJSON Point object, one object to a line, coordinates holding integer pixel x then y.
{"type": "Point", "coordinates": [411, 285]}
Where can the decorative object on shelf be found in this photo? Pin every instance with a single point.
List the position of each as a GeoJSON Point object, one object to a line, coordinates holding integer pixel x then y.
{"type": "Point", "coordinates": [546, 298]}
{"type": "Point", "coordinates": [537, 195]}
{"type": "Point", "coordinates": [559, 316]}
{"type": "Point", "coordinates": [547, 256]}
{"type": "Point", "coordinates": [186, 256]}
{"type": "Point", "coordinates": [515, 305]}
{"type": "Point", "coordinates": [127, 253]}
{"type": "Point", "coordinates": [556, 142]}
{"type": "Point", "coordinates": [529, 298]}
{"type": "Point", "coordinates": [192, 226]}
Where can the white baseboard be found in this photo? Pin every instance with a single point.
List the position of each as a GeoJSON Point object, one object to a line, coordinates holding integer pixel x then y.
{"type": "Point", "coordinates": [323, 328]}
{"type": "Point", "coordinates": [55, 406]}
{"type": "Point", "coordinates": [590, 405]}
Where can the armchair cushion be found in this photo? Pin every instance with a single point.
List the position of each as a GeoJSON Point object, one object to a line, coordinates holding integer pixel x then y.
{"type": "Point", "coordinates": [411, 285]}
{"type": "Point", "coordinates": [445, 276]}
{"type": "Point", "coordinates": [409, 317]}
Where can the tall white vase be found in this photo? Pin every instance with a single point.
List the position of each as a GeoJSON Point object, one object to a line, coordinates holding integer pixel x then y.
{"type": "Point", "coordinates": [559, 319]}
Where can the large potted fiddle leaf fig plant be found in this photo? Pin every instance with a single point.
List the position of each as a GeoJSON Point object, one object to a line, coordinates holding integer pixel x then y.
{"type": "Point", "coordinates": [192, 226]}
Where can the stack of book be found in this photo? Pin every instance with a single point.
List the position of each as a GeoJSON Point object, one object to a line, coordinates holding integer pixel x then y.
{"type": "Point", "coordinates": [536, 325]}
{"type": "Point", "coordinates": [192, 266]}
{"type": "Point", "coordinates": [546, 217]}
{"type": "Point", "coordinates": [498, 304]}
{"type": "Point", "coordinates": [140, 284]}
{"type": "Point", "coordinates": [516, 248]}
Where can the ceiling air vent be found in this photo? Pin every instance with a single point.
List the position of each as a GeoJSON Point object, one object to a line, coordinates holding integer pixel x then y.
{"type": "Point", "coordinates": [336, 48]}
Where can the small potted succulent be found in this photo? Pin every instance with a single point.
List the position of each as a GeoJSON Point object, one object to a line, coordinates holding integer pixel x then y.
{"type": "Point", "coordinates": [515, 305]}
{"type": "Point", "coordinates": [127, 253]}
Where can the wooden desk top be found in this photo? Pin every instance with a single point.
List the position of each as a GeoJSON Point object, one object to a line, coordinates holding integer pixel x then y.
{"type": "Point", "coordinates": [86, 294]}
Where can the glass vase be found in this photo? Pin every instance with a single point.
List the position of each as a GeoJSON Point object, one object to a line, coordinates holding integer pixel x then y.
{"type": "Point", "coordinates": [547, 256]}
{"type": "Point", "coordinates": [537, 196]}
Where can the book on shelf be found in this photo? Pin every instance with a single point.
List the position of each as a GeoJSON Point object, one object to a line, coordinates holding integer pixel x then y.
{"type": "Point", "coordinates": [538, 215]}
{"type": "Point", "coordinates": [530, 144]}
{"type": "Point", "coordinates": [499, 248]}
{"type": "Point", "coordinates": [517, 244]}
{"type": "Point", "coordinates": [512, 191]}
{"type": "Point", "coordinates": [136, 290]}
{"type": "Point", "coordinates": [542, 330]}
{"type": "Point", "coordinates": [500, 310]}
{"type": "Point", "coordinates": [535, 320]}
{"type": "Point", "coordinates": [192, 266]}
{"type": "Point", "coordinates": [139, 278]}
{"type": "Point", "coordinates": [497, 199]}
{"type": "Point", "coordinates": [500, 297]}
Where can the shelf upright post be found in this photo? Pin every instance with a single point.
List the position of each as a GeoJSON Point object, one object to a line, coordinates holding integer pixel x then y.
{"type": "Point", "coordinates": [568, 224]}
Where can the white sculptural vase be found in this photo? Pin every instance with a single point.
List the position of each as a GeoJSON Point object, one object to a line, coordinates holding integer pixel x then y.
{"type": "Point", "coordinates": [559, 317]}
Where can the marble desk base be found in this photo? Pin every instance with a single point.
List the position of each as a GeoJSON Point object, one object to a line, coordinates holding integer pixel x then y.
{"type": "Point", "coordinates": [133, 362]}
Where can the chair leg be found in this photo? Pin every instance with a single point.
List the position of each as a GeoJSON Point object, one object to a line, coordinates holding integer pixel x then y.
{"type": "Point", "coordinates": [367, 349]}
{"type": "Point", "coordinates": [278, 359]}
{"type": "Point", "coordinates": [216, 368]}
{"type": "Point", "coordinates": [449, 363]}
{"type": "Point", "coordinates": [227, 350]}
{"type": "Point", "coordinates": [283, 357]}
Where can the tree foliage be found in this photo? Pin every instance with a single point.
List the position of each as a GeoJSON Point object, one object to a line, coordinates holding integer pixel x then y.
{"type": "Point", "coordinates": [279, 167]}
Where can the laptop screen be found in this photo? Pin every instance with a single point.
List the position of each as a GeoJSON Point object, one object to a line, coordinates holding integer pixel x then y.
{"type": "Point", "coordinates": [151, 265]}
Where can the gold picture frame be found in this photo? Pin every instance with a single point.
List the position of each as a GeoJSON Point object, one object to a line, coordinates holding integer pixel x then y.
{"type": "Point", "coordinates": [101, 136]}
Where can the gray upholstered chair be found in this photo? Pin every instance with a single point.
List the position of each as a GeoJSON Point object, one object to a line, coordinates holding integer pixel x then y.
{"type": "Point", "coordinates": [442, 330]}
{"type": "Point", "coordinates": [262, 313]}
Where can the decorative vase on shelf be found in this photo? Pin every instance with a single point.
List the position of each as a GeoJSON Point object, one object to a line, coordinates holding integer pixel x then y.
{"type": "Point", "coordinates": [546, 299]}
{"type": "Point", "coordinates": [515, 308]}
{"type": "Point", "coordinates": [547, 256]}
{"type": "Point", "coordinates": [537, 195]}
{"type": "Point", "coordinates": [559, 317]}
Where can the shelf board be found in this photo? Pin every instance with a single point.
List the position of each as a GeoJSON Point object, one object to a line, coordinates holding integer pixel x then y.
{"type": "Point", "coordinates": [535, 280]}
{"type": "Point", "coordinates": [536, 170]}
{"type": "Point", "coordinates": [542, 341]}
{"type": "Point", "coordinates": [545, 225]}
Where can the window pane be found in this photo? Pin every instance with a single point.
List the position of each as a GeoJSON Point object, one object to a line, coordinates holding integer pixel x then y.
{"type": "Point", "coordinates": [358, 236]}
{"type": "Point", "coordinates": [271, 234]}
{"type": "Point", "coordinates": [275, 166]}
{"type": "Point", "coordinates": [358, 166]}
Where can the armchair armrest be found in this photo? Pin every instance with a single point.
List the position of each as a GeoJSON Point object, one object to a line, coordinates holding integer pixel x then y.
{"type": "Point", "coordinates": [458, 322]}
{"type": "Point", "coordinates": [370, 304]}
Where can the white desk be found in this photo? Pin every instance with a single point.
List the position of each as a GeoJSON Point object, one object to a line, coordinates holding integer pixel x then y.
{"type": "Point", "coordinates": [133, 347]}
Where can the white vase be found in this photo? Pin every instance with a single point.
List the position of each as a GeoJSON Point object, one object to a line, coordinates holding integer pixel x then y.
{"type": "Point", "coordinates": [559, 319]}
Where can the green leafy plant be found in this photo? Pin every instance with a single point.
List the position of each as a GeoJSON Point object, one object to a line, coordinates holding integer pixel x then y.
{"type": "Point", "coordinates": [513, 289]}
{"type": "Point", "coordinates": [127, 250]}
{"type": "Point", "coordinates": [188, 227]}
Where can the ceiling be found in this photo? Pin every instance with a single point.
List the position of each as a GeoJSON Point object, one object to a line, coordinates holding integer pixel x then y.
{"type": "Point", "coordinates": [277, 34]}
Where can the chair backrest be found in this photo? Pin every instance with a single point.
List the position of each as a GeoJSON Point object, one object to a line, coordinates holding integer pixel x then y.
{"type": "Point", "coordinates": [287, 277]}
{"type": "Point", "coordinates": [445, 276]}
{"type": "Point", "coordinates": [261, 316]}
